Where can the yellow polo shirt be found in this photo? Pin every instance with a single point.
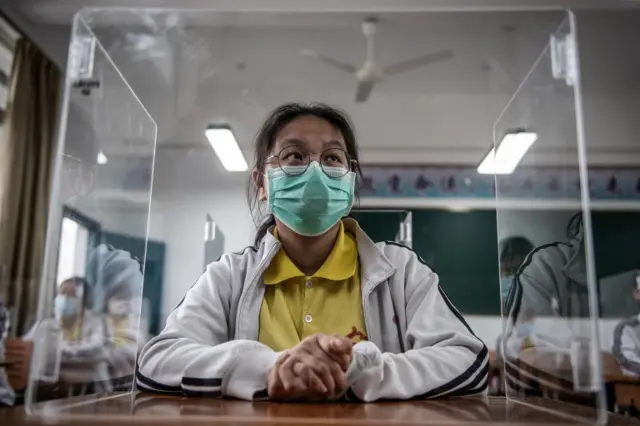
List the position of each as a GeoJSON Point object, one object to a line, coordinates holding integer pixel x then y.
{"type": "Point", "coordinates": [296, 306]}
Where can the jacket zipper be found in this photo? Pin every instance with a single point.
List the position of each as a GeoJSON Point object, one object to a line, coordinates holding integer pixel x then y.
{"type": "Point", "coordinates": [262, 266]}
{"type": "Point", "coordinates": [365, 308]}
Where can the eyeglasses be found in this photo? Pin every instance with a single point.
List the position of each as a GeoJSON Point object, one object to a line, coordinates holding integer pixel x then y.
{"type": "Point", "coordinates": [294, 161]}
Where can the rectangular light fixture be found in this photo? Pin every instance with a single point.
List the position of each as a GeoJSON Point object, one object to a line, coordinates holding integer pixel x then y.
{"type": "Point", "coordinates": [504, 159]}
{"type": "Point", "coordinates": [102, 159]}
{"type": "Point", "coordinates": [224, 143]}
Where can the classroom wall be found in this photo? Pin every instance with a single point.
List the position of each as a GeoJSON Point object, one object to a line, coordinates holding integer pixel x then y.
{"type": "Point", "coordinates": [488, 328]}
{"type": "Point", "coordinates": [182, 219]}
{"type": "Point", "coordinates": [540, 226]}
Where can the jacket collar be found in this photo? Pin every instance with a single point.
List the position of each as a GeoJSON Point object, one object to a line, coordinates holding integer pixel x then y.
{"type": "Point", "coordinates": [375, 267]}
{"type": "Point", "coordinates": [340, 265]}
{"type": "Point", "coordinates": [575, 269]}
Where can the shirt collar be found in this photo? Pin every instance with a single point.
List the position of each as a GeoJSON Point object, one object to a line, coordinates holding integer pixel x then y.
{"type": "Point", "coordinates": [375, 266]}
{"type": "Point", "coordinates": [340, 265]}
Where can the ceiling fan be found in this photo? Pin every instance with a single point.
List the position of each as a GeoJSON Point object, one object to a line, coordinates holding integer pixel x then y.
{"type": "Point", "coordinates": [371, 73]}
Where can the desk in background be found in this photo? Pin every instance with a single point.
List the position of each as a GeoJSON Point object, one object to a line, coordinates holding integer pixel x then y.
{"type": "Point", "coordinates": [626, 393]}
{"type": "Point", "coordinates": [623, 392]}
{"type": "Point", "coordinates": [145, 409]}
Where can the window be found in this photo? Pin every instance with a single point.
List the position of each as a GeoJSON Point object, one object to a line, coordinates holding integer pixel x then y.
{"type": "Point", "coordinates": [78, 236]}
{"type": "Point", "coordinates": [8, 37]}
{"type": "Point", "coordinates": [72, 257]}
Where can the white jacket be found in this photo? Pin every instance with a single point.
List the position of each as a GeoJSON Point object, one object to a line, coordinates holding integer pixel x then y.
{"type": "Point", "coordinates": [626, 345]}
{"type": "Point", "coordinates": [419, 344]}
{"type": "Point", "coordinates": [82, 361]}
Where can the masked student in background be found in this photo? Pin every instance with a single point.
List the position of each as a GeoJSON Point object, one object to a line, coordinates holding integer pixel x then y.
{"type": "Point", "coordinates": [550, 299]}
{"type": "Point", "coordinates": [626, 338]}
{"type": "Point", "coordinates": [80, 334]}
{"type": "Point", "coordinates": [315, 309]}
{"type": "Point", "coordinates": [550, 284]}
{"type": "Point", "coordinates": [99, 346]}
{"type": "Point", "coordinates": [513, 251]}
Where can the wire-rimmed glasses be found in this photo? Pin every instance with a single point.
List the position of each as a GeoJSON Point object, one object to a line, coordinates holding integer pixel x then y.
{"type": "Point", "coordinates": [295, 160]}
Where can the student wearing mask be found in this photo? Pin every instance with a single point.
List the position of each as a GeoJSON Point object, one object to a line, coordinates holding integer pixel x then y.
{"type": "Point", "coordinates": [115, 277]}
{"type": "Point", "coordinates": [549, 291]}
{"type": "Point", "coordinates": [83, 367]}
{"type": "Point", "coordinates": [314, 309]}
{"type": "Point", "coordinates": [513, 251]}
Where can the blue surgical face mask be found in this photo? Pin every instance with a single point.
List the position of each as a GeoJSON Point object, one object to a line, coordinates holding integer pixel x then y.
{"type": "Point", "coordinates": [505, 285]}
{"type": "Point", "coordinates": [65, 306]}
{"type": "Point", "coordinates": [312, 202]}
{"type": "Point", "coordinates": [525, 329]}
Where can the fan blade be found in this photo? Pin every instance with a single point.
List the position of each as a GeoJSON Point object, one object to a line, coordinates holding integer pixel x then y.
{"type": "Point", "coordinates": [329, 61]}
{"type": "Point", "coordinates": [420, 61]}
{"type": "Point", "coordinates": [363, 91]}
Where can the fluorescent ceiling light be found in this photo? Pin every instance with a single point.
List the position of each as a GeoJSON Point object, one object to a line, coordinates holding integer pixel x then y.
{"type": "Point", "coordinates": [102, 159]}
{"type": "Point", "coordinates": [505, 159]}
{"type": "Point", "coordinates": [226, 147]}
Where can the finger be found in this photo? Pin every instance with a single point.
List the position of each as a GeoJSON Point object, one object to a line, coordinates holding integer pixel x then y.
{"type": "Point", "coordinates": [342, 349]}
{"type": "Point", "coordinates": [336, 369]}
{"type": "Point", "coordinates": [324, 343]}
{"type": "Point", "coordinates": [322, 366]}
{"type": "Point", "coordinates": [311, 379]}
{"type": "Point", "coordinates": [340, 344]}
{"type": "Point", "coordinates": [338, 375]}
{"type": "Point", "coordinates": [337, 363]}
{"type": "Point", "coordinates": [274, 384]}
{"type": "Point", "coordinates": [292, 384]}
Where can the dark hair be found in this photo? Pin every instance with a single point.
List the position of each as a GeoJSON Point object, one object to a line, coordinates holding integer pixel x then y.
{"type": "Point", "coordinates": [574, 226]}
{"type": "Point", "coordinates": [266, 137]}
{"type": "Point", "coordinates": [513, 251]}
{"type": "Point", "coordinates": [80, 282]}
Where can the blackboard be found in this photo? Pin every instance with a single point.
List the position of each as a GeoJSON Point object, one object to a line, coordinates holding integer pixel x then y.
{"type": "Point", "coordinates": [380, 225]}
{"type": "Point", "coordinates": [462, 249]}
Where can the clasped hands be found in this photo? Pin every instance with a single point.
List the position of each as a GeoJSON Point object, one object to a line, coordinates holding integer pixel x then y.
{"type": "Point", "coordinates": [315, 368]}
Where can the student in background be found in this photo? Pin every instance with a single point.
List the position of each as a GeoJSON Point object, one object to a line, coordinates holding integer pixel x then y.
{"type": "Point", "coordinates": [315, 309]}
{"type": "Point", "coordinates": [513, 251]}
{"type": "Point", "coordinates": [552, 279]}
{"type": "Point", "coordinates": [83, 366]}
{"type": "Point", "coordinates": [549, 305]}
{"type": "Point", "coordinates": [626, 338]}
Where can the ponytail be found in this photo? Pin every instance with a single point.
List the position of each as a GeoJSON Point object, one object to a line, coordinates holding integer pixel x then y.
{"type": "Point", "coordinates": [264, 228]}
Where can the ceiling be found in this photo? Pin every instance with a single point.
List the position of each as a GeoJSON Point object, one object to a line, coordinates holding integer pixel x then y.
{"type": "Point", "coordinates": [62, 11]}
{"type": "Point", "coordinates": [182, 70]}
{"type": "Point", "coordinates": [237, 70]}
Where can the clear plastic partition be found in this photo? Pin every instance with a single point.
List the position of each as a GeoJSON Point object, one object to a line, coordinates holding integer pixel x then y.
{"type": "Point", "coordinates": [430, 99]}
{"type": "Point", "coordinates": [550, 344]}
{"type": "Point", "coordinates": [90, 321]}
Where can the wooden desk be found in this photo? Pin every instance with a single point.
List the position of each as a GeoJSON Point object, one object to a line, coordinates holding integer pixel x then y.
{"type": "Point", "coordinates": [123, 409]}
{"type": "Point", "coordinates": [626, 390]}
